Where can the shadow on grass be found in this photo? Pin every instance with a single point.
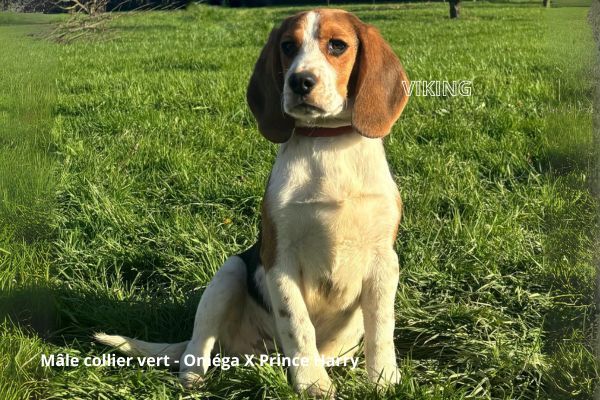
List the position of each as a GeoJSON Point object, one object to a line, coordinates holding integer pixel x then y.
{"type": "Point", "coordinates": [570, 147]}
{"type": "Point", "coordinates": [61, 315]}
{"type": "Point", "coordinates": [571, 224]}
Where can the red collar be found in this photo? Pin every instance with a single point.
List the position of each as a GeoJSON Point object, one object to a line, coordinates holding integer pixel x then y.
{"type": "Point", "coordinates": [323, 132]}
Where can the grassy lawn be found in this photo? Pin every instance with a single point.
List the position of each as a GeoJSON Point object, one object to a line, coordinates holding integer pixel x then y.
{"type": "Point", "coordinates": [130, 168]}
{"type": "Point", "coordinates": [27, 184]}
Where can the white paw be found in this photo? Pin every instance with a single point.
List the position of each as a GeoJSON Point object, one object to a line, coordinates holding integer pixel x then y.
{"type": "Point", "coordinates": [190, 379]}
{"type": "Point", "coordinates": [315, 382]}
{"type": "Point", "coordinates": [385, 376]}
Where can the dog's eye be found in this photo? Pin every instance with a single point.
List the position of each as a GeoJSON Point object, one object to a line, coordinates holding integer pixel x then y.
{"type": "Point", "coordinates": [288, 48]}
{"type": "Point", "coordinates": [336, 47]}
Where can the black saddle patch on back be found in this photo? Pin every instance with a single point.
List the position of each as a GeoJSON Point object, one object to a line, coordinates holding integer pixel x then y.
{"type": "Point", "coordinates": [251, 258]}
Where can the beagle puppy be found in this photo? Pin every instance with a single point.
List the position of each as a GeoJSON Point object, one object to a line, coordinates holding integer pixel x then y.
{"type": "Point", "coordinates": [324, 272]}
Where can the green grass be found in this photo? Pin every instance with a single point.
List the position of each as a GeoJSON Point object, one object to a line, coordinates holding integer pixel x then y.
{"type": "Point", "coordinates": [145, 171]}
{"type": "Point", "coordinates": [27, 92]}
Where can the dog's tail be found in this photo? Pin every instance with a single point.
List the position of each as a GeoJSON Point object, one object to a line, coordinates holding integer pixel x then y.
{"type": "Point", "coordinates": [139, 348]}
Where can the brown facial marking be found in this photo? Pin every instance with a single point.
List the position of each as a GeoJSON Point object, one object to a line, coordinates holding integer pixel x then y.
{"type": "Point", "coordinates": [335, 24]}
{"type": "Point", "coordinates": [292, 32]}
{"type": "Point", "coordinates": [367, 72]}
{"type": "Point", "coordinates": [266, 86]}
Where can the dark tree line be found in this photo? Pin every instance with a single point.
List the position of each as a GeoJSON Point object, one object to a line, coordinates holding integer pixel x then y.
{"type": "Point", "coordinates": [61, 6]}
{"type": "Point", "coordinates": [55, 6]}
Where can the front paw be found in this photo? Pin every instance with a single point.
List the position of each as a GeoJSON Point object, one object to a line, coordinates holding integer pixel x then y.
{"type": "Point", "coordinates": [386, 376]}
{"type": "Point", "coordinates": [315, 382]}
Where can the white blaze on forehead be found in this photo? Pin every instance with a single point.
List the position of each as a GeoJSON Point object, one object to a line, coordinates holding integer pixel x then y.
{"type": "Point", "coordinates": [309, 53]}
{"type": "Point", "coordinates": [311, 31]}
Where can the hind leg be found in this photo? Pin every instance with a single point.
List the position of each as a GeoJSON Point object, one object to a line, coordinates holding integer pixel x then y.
{"type": "Point", "coordinates": [222, 298]}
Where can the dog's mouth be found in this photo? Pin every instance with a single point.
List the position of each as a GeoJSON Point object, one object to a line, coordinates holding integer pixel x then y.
{"type": "Point", "coordinates": [308, 108]}
{"type": "Point", "coordinates": [305, 109]}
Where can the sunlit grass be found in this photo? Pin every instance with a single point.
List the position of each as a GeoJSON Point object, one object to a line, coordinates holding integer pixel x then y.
{"type": "Point", "coordinates": [157, 173]}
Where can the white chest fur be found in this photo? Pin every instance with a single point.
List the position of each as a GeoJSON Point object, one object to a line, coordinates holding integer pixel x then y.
{"type": "Point", "coordinates": [333, 203]}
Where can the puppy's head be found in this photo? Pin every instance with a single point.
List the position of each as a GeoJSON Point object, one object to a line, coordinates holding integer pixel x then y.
{"type": "Point", "coordinates": [326, 68]}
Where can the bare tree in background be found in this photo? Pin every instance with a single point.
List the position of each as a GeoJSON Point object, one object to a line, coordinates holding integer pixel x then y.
{"type": "Point", "coordinates": [88, 17]}
{"type": "Point", "coordinates": [89, 7]}
{"type": "Point", "coordinates": [455, 8]}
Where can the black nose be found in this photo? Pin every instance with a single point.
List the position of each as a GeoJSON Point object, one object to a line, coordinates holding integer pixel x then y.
{"type": "Point", "coordinates": [302, 82]}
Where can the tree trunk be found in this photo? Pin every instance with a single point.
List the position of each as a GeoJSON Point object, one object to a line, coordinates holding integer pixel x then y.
{"type": "Point", "coordinates": [546, 3]}
{"type": "Point", "coordinates": [455, 8]}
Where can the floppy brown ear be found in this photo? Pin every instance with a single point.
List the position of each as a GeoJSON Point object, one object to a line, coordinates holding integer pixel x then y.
{"type": "Point", "coordinates": [264, 93]}
{"type": "Point", "coordinates": [380, 95]}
